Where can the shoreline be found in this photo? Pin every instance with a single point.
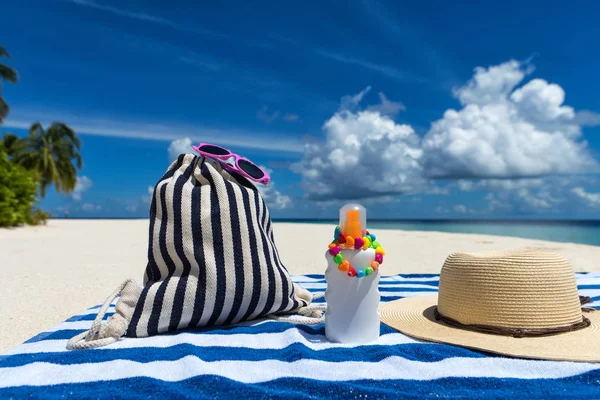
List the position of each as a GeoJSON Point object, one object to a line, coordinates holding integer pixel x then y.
{"type": "Point", "coordinates": [58, 270]}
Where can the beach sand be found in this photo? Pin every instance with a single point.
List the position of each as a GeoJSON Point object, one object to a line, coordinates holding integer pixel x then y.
{"type": "Point", "coordinates": [53, 272]}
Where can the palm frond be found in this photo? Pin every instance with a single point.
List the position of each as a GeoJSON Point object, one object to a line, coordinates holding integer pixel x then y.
{"type": "Point", "coordinates": [36, 129]}
{"type": "Point", "coordinates": [3, 52]}
{"type": "Point", "coordinates": [8, 74]}
{"type": "Point", "coordinates": [4, 109]}
{"type": "Point", "coordinates": [10, 143]}
{"type": "Point", "coordinates": [61, 130]}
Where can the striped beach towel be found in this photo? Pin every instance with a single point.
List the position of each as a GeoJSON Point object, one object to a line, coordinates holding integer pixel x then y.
{"type": "Point", "coordinates": [270, 359]}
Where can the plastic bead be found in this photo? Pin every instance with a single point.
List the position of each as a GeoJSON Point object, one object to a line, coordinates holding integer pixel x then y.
{"type": "Point", "coordinates": [379, 258]}
{"type": "Point", "coordinates": [351, 272]}
{"type": "Point", "coordinates": [338, 259]}
{"type": "Point", "coordinates": [331, 245]}
{"type": "Point", "coordinates": [379, 250]}
{"type": "Point", "coordinates": [358, 243]}
{"type": "Point", "coordinates": [374, 265]}
{"type": "Point", "coordinates": [344, 266]}
{"type": "Point", "coordinates": [336, 233]}
{"type": "Point", "coordinates": [349, 242]}
{"type": "Point", "coordinates": [361, 273]}
{"type": "Point", "coordinates": [334, 251]}
{"type": "Point", "coordinates": [367, 243]}
{"type": "Point", "coordinates": [341, 238]}
{"type": "Point", "coordinates": [373, 237]}
{"type": "Point", "coordinates": [375, 244]}
{"type": "Point", "coordinates": [368, 271]}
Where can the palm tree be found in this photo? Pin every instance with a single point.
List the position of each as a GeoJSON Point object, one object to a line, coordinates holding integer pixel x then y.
{"type": "Point", "coordinates": [51, 153]}
{"type": "Point", "coordinates": [6, 74]}
{"type": "Point", "coordinates": [9, 144]}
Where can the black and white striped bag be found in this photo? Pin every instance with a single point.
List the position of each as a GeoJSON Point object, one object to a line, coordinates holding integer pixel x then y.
{"type": "Point", "coordinates": [212, 259]}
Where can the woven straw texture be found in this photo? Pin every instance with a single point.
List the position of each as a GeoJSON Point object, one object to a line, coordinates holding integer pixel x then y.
{"type": "Point", "coordinates": [523, 289]}
{"type": "Point", "coordinates": [510, 289]}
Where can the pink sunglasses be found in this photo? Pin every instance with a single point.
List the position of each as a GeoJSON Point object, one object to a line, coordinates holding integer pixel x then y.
{"type": "Point", "coordinates": [242, 166]}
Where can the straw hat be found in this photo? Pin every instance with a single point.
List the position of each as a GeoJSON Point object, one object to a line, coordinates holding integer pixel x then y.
{"type": "Point", "coordinates": [518, 303]}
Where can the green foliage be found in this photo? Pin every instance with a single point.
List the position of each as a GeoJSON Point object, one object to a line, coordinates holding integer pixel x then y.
{"type": "Point", "coordinates": [38, 217]}
{"type": "Point", "coordinates": [9, 143]}
{"type": "Point", "coordinates": [18, 189]}
{"type": "Point", "coordinates": [53, 154]}
{"type": "Point", "coordinates": [7, 74]}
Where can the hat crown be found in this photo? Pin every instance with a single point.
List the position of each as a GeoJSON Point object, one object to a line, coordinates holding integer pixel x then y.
{"type": "Point", "coordinates": [516, 289]}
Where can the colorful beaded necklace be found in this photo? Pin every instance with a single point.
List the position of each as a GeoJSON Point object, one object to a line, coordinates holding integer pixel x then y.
{"type": "Point", "coordinates": [342, 241]}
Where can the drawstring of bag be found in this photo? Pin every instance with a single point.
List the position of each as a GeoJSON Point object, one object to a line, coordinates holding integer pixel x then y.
{"type": "Point", "coordinates": [92, 338]}
{"type": "Point", "coordinates": [104, 334]}
{"type": "Point", "coordinates": [313, 314]}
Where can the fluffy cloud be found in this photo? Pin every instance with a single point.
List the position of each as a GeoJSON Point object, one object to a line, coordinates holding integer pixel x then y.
{"type": "Point", "coordinates": [387, 107]}
{"type": "Point", "coordinates": [83, 184]}
{"type": "Point", "coordinates": [503, 132]}
{"type": "Point", "coordinates": [180, 146]}
{"type": "Point", "coordinates": [507, 134]}
{"type": "Point", "coordinates": [273, 197]}
{"type": "Point", "coordinates": [592, 199]}
{"type": "Point", "coordinates": [549, 194]}
{"type": "Point", "coordinates": [365, 153]}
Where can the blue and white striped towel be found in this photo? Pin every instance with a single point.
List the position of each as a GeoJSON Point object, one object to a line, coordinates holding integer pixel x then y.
{"type": "Point", "coordinates": [279, 360]}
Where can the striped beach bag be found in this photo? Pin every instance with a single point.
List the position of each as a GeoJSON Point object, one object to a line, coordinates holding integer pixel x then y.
{"type": "Point", "coordinates": [212, 260]}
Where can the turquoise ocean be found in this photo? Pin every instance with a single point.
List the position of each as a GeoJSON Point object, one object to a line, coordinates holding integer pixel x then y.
{"type": "Point", "coordinates": [584, 232]}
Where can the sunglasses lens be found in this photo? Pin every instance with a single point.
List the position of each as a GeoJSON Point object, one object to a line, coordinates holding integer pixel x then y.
{"type": "Point", "coordinates": [217, 151]}
{"type": "Point", "coordinates": [251, 169]}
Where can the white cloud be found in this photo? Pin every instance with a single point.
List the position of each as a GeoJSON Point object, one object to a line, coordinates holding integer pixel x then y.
{"type": "Point", "coordinates": [495, 203]}
{"type": "Point", "coordinates": [89, 207]}
{"type": "Point", "coordinates": [132, 208]}
{"type": "Point", "coordinates": [460, 208]}
{"type": "Point", "coordinates": [350, 102]}
{"type": "Point", "coordinates": [273, 197]}
{"type": "Point", "coordinates": [538, 199]}
{"type": "Point", "coordinates": [364, 154]}
{"type": "Point", "coordinates": [124, 13]}
{"type": "Point", "coordinates": [21, 117]}
{"type": "Point", "coordinates": [391, 72]}
{"type": "Point", "coordinates": [505, 133]}
{"type": "Point", "coordinates": [587, 118]}
{"type": "Point", "coordinates": [291, 117]}
{"type": "Point", "coordinates": [499, 184]}
{"type": "Point", "coordinates": [505, 137]}
{"type": "Point", "coordinates": [142, 16]}
{"type": "Point", "coordinates": [180, 146]}
{"type": "Point", "coordinates": [83, 184]}
{"type": "Point", "coordinates": [387, 107]}
{"type": "Point", "coordinates": [267, 117]}
{"type": "Point", "coordinates": [491, 85]}
{"type": "Point", "coordinates": [592, 199]}
{"type": "Point", "coordinates": [146, 199]}
{"type": "Point", "coordinates": [526, 195]}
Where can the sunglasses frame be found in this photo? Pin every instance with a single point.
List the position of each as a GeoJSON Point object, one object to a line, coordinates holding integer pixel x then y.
{"type": "Point", "coordinates": [222, 158]}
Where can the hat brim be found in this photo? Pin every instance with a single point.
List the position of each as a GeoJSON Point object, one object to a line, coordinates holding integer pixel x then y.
{"type": "Point", "coordinates": [414, 316]}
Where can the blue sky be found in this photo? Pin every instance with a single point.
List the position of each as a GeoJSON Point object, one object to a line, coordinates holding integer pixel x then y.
{"type": "Point", "coordinates": [420, 110]}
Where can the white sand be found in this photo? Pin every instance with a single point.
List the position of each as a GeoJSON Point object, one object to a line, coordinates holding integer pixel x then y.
{"type": "Point", "coordinates": [52, 272]}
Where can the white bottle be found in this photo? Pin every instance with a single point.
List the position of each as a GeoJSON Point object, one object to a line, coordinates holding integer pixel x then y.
{"type": "Point", "coordinates": [352, 314]}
